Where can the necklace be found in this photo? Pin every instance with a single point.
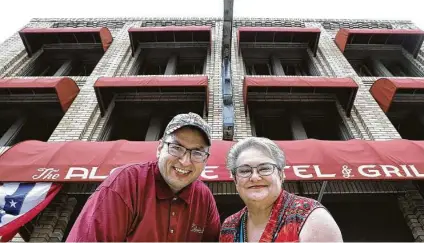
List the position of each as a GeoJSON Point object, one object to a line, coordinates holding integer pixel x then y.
{"type": "Point", "coordinates": [244, 225]}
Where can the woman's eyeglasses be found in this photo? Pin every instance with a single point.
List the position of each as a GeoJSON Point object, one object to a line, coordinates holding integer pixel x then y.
{"type": "Point", "coordinates": [263, 169]}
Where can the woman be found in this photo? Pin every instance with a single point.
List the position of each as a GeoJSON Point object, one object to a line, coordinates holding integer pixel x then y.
{"type": "Point", "coordinates": [271, 213]}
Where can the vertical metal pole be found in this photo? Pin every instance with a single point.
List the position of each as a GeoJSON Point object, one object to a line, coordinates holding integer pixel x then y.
{"type": "Point", "coordinates": [322, 190]}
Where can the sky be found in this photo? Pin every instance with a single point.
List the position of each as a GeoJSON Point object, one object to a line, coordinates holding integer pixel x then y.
{"type": "Point", "coordinates": [16, 13]}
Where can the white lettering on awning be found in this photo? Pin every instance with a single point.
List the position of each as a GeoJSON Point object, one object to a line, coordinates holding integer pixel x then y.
{"type": "Point", "coordinates": [365, 170]}
{"type": "Point", "coordinates": [209, 169]}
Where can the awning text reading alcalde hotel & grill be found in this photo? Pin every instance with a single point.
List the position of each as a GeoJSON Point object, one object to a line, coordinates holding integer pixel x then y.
{"type": "Point", "coordinates": [80, 161]}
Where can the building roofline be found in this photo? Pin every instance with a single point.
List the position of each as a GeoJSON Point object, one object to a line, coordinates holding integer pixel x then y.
{"type": "Point", "coordinates": [129, 19]}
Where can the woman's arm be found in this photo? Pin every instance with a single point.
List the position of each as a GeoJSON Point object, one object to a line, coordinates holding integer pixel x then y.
{"type": "Point", "coordinates": [320, 226]}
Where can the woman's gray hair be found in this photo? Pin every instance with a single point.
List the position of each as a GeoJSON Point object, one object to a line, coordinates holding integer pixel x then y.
{"type": "Point", "coordinates": [265, 145]}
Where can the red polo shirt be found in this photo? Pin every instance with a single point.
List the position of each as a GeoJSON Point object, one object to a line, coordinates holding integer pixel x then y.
{"type": "Point", "coordinates": [136, 204]}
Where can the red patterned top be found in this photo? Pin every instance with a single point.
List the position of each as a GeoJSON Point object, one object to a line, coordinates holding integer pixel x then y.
{"type": "Point", "coordinates": [288, 215]}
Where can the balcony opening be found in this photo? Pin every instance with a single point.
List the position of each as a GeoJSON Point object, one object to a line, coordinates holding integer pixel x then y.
{"type": "Point", "coordinates": [64, 51]}
{"type": "Point", "coordinates": [31, 109]}
{"type": "Point", "coordinates": [139, 108]}
{"type": "Point", "coordinates": [381, 53]}
{"type": "Point", "coordinates": [153, 68]}
{"type": "Point", "coordinates": [47, 65]}
{"type": "Point", "coordinates": [297, 120]}
{"type": "Point", "coordinates": [145, 121]}
{"type": "Point", "coordinates": [271, 126]}
{"type": "Point", "coordinates": [274, 61]}
{"type": "Point", "coordinates": [190, 67]}
{"type": "Point", "coordinates": [408, 121]}
{"type": "Point", "coordinates": [293, 108]}
{"type": "Point", "coordinates": [402, 99]}
{"type": "Point", "coordinates": [324, 128]}
{"type": "Point", "coordinates": [278, 51]}
{"type": "Point", "coordinates": [27, 122]}
{"type": "Point", "coordinates": [169, 50]}
{"type": "Point", "coordinates": [258, 69]}
{"type": "Point", "coordinates": [171, 61]}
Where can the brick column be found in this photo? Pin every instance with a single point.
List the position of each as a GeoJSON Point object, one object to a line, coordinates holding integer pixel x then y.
{"type": "Point", "coordinates": [53, 221]}
{"type": "Point", "coordinates": [420, 57]}
{"type": "Point", "coordinates": [79, 116]}
{"type": "Point", "coordinates": [242, 127]}
{"type": "Point", "coordinates": [214, 72]}
{"type": "Point", "coordinates": [319, 66]}
{"type": "Point", "coordinates": [412, 207]}
{"type": "Point", "coordinates": [366, 111]}
{"type": "Point", "coordinates": [417, 64]}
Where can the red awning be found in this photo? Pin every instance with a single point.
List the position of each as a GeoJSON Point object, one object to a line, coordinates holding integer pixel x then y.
{"type": "Point", "coordinates": [106, 88]}
{"type": "Point", "coordinates": [384, 89]}
{"type": "Point", "coordinates": [344, 88]}
{"type": "Point", "coordinates": [35, 38]}
{"type": "Point", "coordinates": [65, 88]}
{"type": "Point", "coordinates": [411, 40]}
{"type": "Point", "coordinates": [169, 34]}
{"type": "Point", "coordinates": [306, 160]}
{"type": "Point", "coordinates": [281, 34]}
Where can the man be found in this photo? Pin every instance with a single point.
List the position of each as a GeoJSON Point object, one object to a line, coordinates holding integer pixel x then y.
{"type": "Point", "coordinates": [161, 200]}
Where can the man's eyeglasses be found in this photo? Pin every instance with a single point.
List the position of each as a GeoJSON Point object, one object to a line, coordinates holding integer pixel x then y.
{"type": "Point", "coordinates": [264, 169]}
{"type": "Point", "coordinates": [179, 151]}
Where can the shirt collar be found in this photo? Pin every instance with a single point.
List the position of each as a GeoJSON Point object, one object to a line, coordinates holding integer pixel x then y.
{"type": "Point", "coordinates": [163, 191]}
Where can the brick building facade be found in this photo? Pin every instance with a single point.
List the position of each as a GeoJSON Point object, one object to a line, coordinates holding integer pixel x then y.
{"type": "Point", "coordinates": [227, 60]}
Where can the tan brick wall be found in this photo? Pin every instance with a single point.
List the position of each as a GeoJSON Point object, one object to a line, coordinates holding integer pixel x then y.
{"type": "Point", "coordinates": [83, 120]}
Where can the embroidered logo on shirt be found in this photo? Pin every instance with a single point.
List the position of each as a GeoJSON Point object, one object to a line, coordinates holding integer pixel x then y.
{"type": "Point", "coordinates": [196, 229]}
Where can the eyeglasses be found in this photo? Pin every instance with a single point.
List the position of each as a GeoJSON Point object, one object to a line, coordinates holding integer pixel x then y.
{"type": "Point", "coordinates": [179, 151]}
{"type": "Point", "coordinates": [264, 169]}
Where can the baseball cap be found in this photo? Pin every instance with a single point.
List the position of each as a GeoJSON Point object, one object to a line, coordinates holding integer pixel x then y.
{"type": "Point", "coordinates": [189, 119]}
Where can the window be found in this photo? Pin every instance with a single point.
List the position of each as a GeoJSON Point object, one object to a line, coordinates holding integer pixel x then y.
{"type": "Point", "coordinates": [29, 126]}
{"type": "Point", "coordinates": [259, 69]}
{"type": "Point", "coordinates": [278, 51]}
{"type": "Point", "coordinates": [27, 122]}
{"type": "Point", "coordinates": [294, 121]}
{"type": "Point", "coordinates": [50, 66]}
{"type": "Point", "coordinates": [37, 108]}
{"type": "Point", "coordinates": [170, 50]}
{"type": "Point", "coordinates": [170, 61]}
{"type": "Point", "coordinates": [275, 62]}
{"type": "Point", "coordinates": [139, 108]}
{"type": "Point", "coordinates": [293, 108]}
{"type": "Point", "coordinates": [64, 52]}
{"type": "Point", "coordinates": [143, 122]}
{"type": "Point", "coordinates": [408, 121]}
{"type": "Point", "coordinates": [402, 99]}
{"type": "Point", "coordinates": [381, 53]}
